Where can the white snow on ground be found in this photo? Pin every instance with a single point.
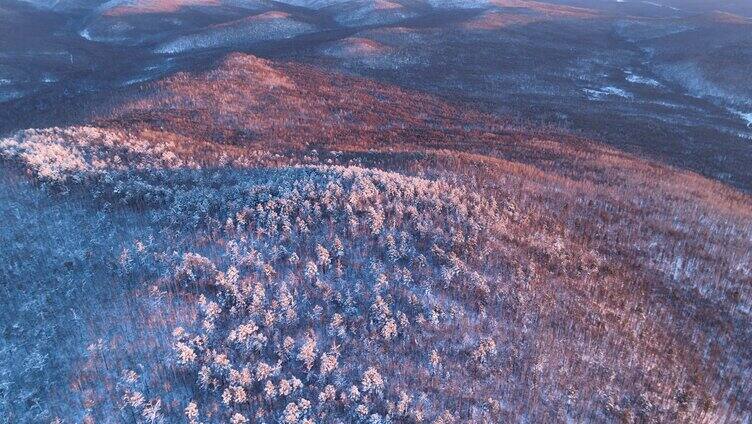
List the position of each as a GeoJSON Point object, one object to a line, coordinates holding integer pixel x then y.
{"type": "Point", "coordinates": [638, 79]}
{"type": "Point", "coordinates": [603, 92]}
{"type": "Point", "coordinates": [667, 104]}
{"type": "Point", "coordinates": [593, 94]}
{"type": "Point", "coordinates": [84, 33]}
{"type": "Point", "coordinates": [137, 80]}
{"type": "Point", "coordinates": [616, 91]}
{"type": "Point", "coordinates": [468, 4]}
{"type": "Point", "coordinates": [746, 117]}
{"type": "Point", "coordinates": [661, 5]}
{"type": "Point", "coordinates": [9, 95]}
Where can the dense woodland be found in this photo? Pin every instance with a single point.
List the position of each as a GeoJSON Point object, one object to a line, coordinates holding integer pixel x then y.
{"type": "Point", "coordinates": [514, 277]}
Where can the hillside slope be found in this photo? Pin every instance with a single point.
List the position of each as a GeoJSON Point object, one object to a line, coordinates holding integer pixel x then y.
{"type": "Point", "coordinates": [284, 244]}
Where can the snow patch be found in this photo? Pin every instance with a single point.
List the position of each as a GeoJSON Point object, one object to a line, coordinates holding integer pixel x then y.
{"type": "Point", "coordinates": [84, 33]}
{"type": "Point", "coordinates": [638, 79]}
{"type": "Point", "coordinates": [137, 80]}
{"type": "Point", "coordinates": [661, 5]}
{"type": "Point", "coordinates": [616, 91]}
{"type": "Point", "coordinates": [603, 92]}
{"type": "Point", "coordinates": [667, 104]}
{"type": "Point", "coordinates": [10, 95]}
{"type": "Point", "coordinates": [746, 117]}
